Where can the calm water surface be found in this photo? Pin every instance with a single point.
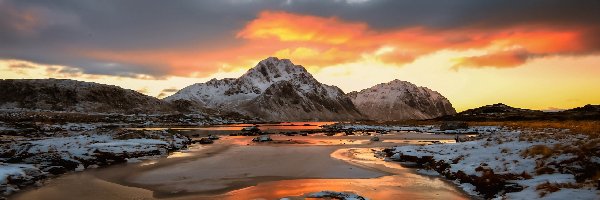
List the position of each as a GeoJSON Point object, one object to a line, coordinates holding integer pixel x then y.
{"type": "Point", "coordinates": [235, 168]}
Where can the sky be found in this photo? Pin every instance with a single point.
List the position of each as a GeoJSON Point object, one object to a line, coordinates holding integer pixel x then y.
{"type": "Point", "coordinates": [537, 54]}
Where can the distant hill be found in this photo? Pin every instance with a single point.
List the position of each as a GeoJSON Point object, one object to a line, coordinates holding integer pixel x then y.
{"type": "Point", "coordinates": [503, 112]}
{"type": "Point", "coordinates": [76, 96]}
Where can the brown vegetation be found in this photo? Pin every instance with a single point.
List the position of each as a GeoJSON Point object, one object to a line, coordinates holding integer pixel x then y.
{"type": "Point", "coordinates": [587, 127]}
{"type": "Point", "coordinates": [542, 150]}
{"type": "Point", "coordinates": [547, 187]}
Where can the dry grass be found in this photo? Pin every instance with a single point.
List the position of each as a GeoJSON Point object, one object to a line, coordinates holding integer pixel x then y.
{"type": "Point", "coordinates": [587, 127]}
{"type": "Point", "coordinates": [546, 188]}
{"type": "Point", "coordinates": [542, 150]}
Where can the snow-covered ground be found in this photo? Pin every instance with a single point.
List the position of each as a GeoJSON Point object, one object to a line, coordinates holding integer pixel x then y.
{"type": "Point", "coordinates": [423, 129]}
{"type": "Point", "coordinates": [26, 161]}
{"type": "Point", "coordinates": [547, 165]}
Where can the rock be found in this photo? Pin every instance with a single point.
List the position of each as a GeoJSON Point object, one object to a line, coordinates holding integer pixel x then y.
{"type": "Point", "coordinates": [291, 133]}
{"type": "Point", "coordinates": [93, 166]}
{"type": "Point", "coordinates": [453, 125]}
{"type": "Point", "coordinates": [213, 137]}
{"type": "Point", "coordinates": [512, 187]}
{"type": "Point", "coordinates": [253, 129]}
{"type": "Point", "coordinates": [133, 160]}
{"type": "Point", "coordinates": [336, 195]}
{"type": "Point", "coordinates": [204, 141]}
{"type": "Point", "coordinates": [262, 138]}
{"type": "Point", "coordinates": [55, 170]}
{"type": "Point", "coordinates": [79, 168]}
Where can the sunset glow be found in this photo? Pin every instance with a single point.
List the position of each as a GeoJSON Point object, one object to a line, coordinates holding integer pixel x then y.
{"type": "Point", "coordinates": [530, 63]}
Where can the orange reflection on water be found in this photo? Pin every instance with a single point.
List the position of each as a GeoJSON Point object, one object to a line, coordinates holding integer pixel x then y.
{"type": "Point", "coordinates": [406, 186]}
{"type": "Point", "coordinates": [237, 127]}
{"type": "Point", "coordinates": [402, 185]}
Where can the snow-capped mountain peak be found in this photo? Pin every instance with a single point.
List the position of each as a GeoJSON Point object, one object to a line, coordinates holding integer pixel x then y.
{"type": "Point", "coordinates": [397, 100]}
{"type": "Point", "coordinates": [272, 70]}
{"type": "Point", "coordinates": [275, 89]}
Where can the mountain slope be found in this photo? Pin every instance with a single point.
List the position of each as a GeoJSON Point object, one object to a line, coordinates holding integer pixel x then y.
{"type": "Point", "coordinates": [71, 95]}
{"type": "Point", "coordinates": [275, 89]}
{"type": "Point", "coordinates": [503, 112]}
{"type": "Point", "coordinates": [400, 100]}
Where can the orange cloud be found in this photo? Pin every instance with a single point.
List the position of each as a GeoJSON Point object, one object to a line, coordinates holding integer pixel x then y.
{"type": "Point", "coordinates": [324, 41]}
{"type": "Point", "coordinates": [290, 27]}
{"type": "Point", "coordinates": [503, 59]}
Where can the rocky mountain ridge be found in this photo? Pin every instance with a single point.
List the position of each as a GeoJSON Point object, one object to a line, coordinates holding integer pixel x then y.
{"type": "Point", "coordinates": [275, 89]}
{"type": "Point", "coordinates": [75, 96]}
{"type": "Point", "coordinates": [401, 100]}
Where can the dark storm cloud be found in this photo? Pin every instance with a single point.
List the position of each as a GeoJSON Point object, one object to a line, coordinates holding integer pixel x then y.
{"type": "Point", "coordinates": [385, 14]}
{"type": "Point", "coordinates": [62, 32]}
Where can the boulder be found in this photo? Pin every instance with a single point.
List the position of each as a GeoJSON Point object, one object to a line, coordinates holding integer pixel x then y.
{"type": "Point", "coordinates": [204, 141]}
{"type": "Point", "coordinates": [336, 195]}
{"type": "Point", "coordinates": [262, 138]}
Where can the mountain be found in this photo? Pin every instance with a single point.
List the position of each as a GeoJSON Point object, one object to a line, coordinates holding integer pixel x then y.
{"type": "Point", "coordinates": [587, 112]}
{"type": "Point", "coordinates": [498, 109]}
{"type": "Point", "coordinates": [503, 112]}
{"type": "Point", "coordinates": [275, 89]}
{"type": "Point", "coordinates": [400, 100]}
{"type": "Point", "coordinates": [78, 96]}
{"type": "Point", "coordinates": [585, 109]}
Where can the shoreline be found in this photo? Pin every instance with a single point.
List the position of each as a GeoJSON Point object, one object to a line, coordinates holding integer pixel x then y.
{"type": "Point", "coordinates": [216, 150]}
{"type": "Point", "coordinates": [512, 164]}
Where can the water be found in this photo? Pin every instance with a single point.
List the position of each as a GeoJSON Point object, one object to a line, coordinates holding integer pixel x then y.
{"type": "Point", "coordinates": [235, 168]}
{"type": "Point", "coordinates": [234, 128]}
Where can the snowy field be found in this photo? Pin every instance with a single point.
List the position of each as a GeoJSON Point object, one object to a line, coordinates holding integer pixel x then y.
{"type": "Point", "coordinates": [423, 129]}
{"type": "Point", "coordinates": [26, 162]}
{"type": "Point", "coordinates": [509, 164]}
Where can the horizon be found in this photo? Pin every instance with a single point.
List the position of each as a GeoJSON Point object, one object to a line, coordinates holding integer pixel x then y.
{"type": "Point", "coordinates": [544, 110]}
{"type": "Point", "coordinates": [536, 55]}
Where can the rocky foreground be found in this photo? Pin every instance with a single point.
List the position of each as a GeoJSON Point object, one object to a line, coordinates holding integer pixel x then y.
{"type": "Point", "coordinates": [514, 164]}
{"type": "Point", "coordinates": [25, 162]}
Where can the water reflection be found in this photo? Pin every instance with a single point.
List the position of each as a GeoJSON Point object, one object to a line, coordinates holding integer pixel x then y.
{"type": "Point", "coordinates": [238, 162]}
{"type": "Point", "coordinates": [402, 185]}
{"type": "Point", "coordinates": [406, 186]}
{"type": "Point", "coordinates": [237, 127]}
{"type": "Point", "coordinates": [190, 151]}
